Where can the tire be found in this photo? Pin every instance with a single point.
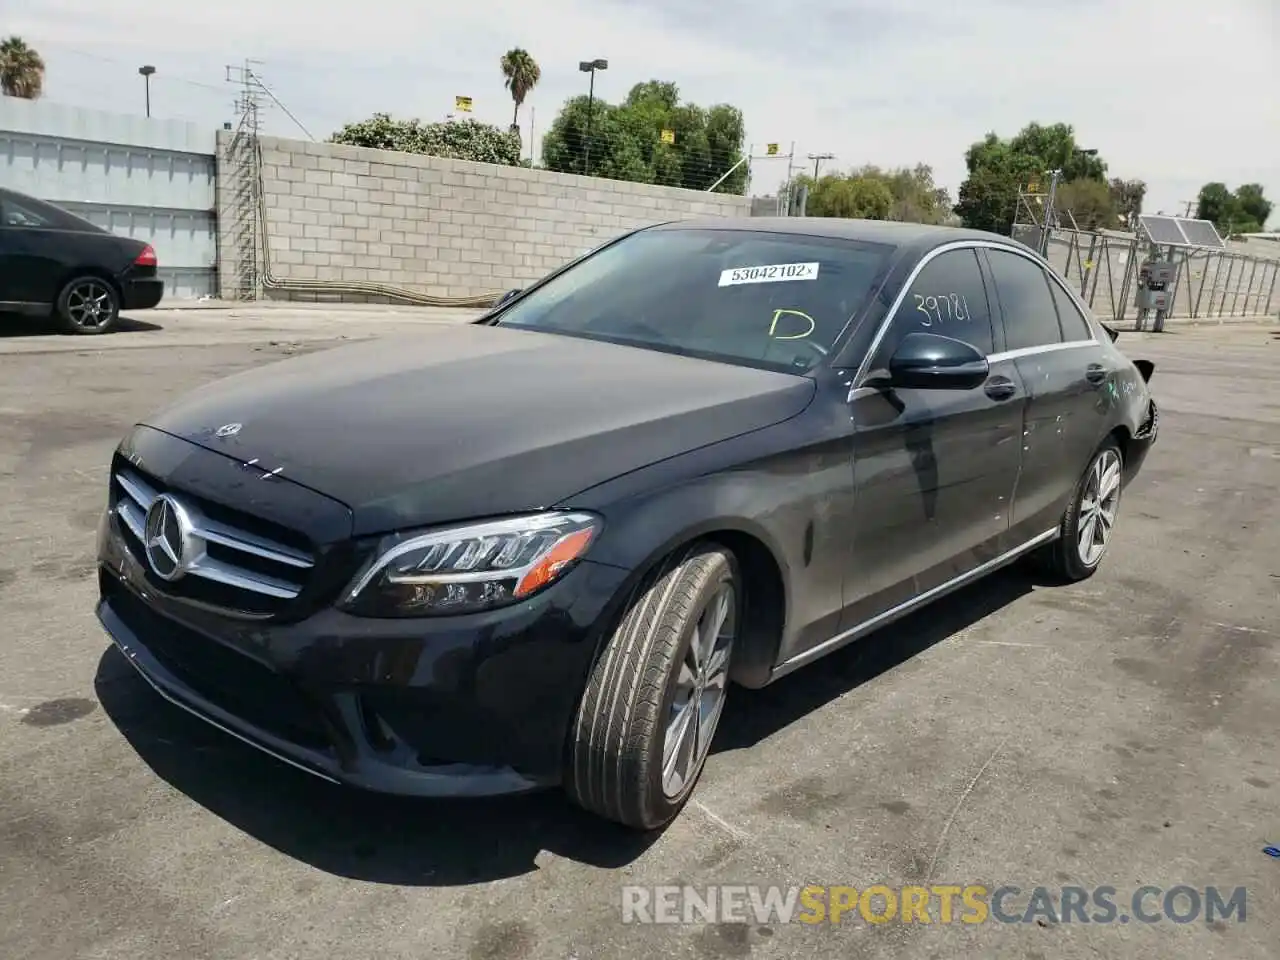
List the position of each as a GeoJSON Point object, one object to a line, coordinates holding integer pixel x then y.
{"type": "Point", "coordinates": [643, 678]}
{"type": "Point", "coordinates": [88, 306]}
{"type": "Point", "coordinates": [1066, 559]}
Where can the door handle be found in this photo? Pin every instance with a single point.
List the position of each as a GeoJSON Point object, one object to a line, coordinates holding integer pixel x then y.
{"type": "Point", "coordinates": [1000, 388]}
{"type": "Point", "coordinates": [1095, 373]}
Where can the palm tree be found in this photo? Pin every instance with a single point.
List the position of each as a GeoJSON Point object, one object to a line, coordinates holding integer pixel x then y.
{"type": "Point", "coordinates": [21, 69]}
{"type": "Point", "coordinates": [522, 74]}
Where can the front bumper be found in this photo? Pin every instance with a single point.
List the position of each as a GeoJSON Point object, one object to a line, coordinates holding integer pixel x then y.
{"type": "Point", "coordinates": [142, 293]}
{"type": "Point", "coordinates": [1142, 441]}
{"type": "Point", "coordinates": [453, 706]}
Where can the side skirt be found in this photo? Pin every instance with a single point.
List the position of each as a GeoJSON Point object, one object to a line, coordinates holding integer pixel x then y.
{"type": "Point", "coordinates": [902, 609]}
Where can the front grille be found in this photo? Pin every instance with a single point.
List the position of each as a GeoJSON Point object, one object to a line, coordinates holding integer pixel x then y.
{"type": "Point", "coordinates": [214, 560]}
{"type": "Point", "coordinates": [224, 677]}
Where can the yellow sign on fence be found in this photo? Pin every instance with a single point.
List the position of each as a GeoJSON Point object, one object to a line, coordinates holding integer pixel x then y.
{"type": "Point", "coordinates": [668, 136]}
{"type": "Point", "coordinates": [771, 149]}
{"type": "Point", "coordinates": [462, 104]}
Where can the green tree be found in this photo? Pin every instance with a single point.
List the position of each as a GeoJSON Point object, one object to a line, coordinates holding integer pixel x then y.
{"type": "Point", "coordinates": [917, 198]}
{"type": "Point", "coordinates": [997, 167]}
{"type": "Point", "coordinates": [1126, 199]}
{"type": "Point", "coordinates": [872, 193]}
{"type": "Point", "coordinates": [626, 140]}
{"type": "Point", "coordinates": [521, 73]}
{"type": "Point", "coordinates": [1243, 211]}
{"type": "Point", "coordinates": [1252, 203]}
{"type": "Point", "coordinates": [1089, 202]}
{"type": "Point", "coordinates": [459, 139]}
{"type": "Point", "coordinates": [21, 69]}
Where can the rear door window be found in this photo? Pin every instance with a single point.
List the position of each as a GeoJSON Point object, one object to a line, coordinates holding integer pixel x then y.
{"type": "Point", "coordinates": [1070, 319]}
{"type": "Point", "coordinates": [1030, 317]}
{"type": "Point", "coordinates": [13, 214]}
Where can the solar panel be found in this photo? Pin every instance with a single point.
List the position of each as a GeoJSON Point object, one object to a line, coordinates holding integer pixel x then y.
{"type": "Point", "coordinates": [1163, 230]}
{"type": "Point", "coordinates": [1181, 232]}
{"type": "Point", "coordinates": [1202, 233]}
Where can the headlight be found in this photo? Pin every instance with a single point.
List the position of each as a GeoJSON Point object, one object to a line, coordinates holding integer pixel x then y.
{"type": "Point", "coordinates": [468, 568]}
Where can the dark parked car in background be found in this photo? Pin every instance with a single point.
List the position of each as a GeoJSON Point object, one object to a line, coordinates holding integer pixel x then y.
{"type": "Point", "coordinates": [53, 263]}
{"type": "Point", "coordinates": [536, 549]}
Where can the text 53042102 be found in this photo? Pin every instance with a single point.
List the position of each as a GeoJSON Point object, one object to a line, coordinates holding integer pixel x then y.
{"type": "Point", "coordinates": [769, 273]}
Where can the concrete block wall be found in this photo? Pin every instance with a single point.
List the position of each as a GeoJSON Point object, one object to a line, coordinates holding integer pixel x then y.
{"type": "Point", "coordinates": [444, 228]}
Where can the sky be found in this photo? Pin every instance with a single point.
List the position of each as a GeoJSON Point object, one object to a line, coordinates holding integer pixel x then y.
{"type": "Point", "coordinates": [1174, 92]}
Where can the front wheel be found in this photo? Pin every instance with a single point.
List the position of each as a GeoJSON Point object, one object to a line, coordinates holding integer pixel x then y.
{"type": "Point", "coordinates": [1090, 518]}
{"type": "Point", "coordinates": [88, 305]}
{"type": "Point", "coordinates": [654, 698]}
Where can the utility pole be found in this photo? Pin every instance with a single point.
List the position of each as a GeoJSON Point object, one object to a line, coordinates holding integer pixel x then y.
{"type": "Point", "coordinates": [1186, 214]}
{"type": "Point", "coordinates": [817, 158]}
{"type": "Point", "coordinates": [244, 214]}
{"type": "Point", "coordinates": [1050, 216]}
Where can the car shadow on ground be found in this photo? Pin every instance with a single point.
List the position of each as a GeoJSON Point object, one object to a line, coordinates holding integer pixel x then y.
{"type": "Point", "coordinates": [392, 840]}
{"type": "Point", "coordinates": [751, 716]}
{"type": "Point", "coordinates": [21, 325]}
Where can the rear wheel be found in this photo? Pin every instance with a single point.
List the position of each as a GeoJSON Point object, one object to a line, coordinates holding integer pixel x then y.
{"type": "Point", "coordinates": [88, 305]}
{"type": "Point", "coordinates": [654, 699]}
{"type": "Point", "coordinates": [1090, 518]}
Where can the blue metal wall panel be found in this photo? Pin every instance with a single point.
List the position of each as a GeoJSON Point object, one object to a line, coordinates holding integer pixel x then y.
{"type": "Point", "coordinates": [154, 180]}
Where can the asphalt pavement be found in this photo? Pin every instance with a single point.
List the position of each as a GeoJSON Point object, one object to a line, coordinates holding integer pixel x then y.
{"type": "Point", "coordinates": [1121, 732]}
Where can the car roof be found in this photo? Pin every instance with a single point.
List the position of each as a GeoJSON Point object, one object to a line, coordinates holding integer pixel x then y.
{"type": "Point", "coordinates": [920, 236]}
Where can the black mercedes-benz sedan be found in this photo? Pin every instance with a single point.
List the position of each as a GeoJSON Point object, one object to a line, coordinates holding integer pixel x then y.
{"type": "Point", "coordinates": [54, 263]}
{"type": "Point", "coordinates": [537, 549]}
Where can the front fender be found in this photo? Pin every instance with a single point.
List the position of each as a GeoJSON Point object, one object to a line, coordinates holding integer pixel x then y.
{"type": "Point", "coordinates": [784, 492]}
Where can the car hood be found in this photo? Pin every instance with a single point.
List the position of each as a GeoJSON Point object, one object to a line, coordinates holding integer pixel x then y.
{"type": "Point", "coordinates": [468, 421]}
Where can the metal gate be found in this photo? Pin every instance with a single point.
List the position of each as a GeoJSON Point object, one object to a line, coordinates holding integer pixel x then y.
{"type": "Point", "coordinates": [1103, 266]}
{"type": "Point", "coordinates": [139, 177]}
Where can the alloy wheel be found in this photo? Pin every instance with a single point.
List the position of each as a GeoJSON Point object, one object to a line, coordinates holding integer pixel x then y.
{"type": "Point", "coordinates": [1097, 515]}
{"type": "Point", "coordinates": [701, 685]}
{"type": "Point", "coordinates": [89, 304]}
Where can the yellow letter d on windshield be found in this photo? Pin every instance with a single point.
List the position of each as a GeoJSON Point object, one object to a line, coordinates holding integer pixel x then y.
{"type": "Point", "coordinates": [779, 314]}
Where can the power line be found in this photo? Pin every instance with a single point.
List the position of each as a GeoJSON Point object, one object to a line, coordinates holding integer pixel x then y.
{"type": "Point", "coordinates": [120, 63]}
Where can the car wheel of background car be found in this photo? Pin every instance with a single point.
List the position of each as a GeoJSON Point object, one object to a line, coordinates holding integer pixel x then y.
{"type": "Point", "coordinates": [1090, 519]}
{"type": "Point", "coordinates": [654, 698]}
{"type": "Point", "coordinates": [88, 305]}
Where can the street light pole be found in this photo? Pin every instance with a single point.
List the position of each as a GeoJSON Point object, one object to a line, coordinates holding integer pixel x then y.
{"type": "Point", "coordinates": [590, 66]}
{"type": "Point", "coordinates": [146, 72]}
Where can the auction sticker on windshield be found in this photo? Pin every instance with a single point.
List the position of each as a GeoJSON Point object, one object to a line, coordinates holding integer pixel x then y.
{"type": "Point", "coordinates": [769, 273]}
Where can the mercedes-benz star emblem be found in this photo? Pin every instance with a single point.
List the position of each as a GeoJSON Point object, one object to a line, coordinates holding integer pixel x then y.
{"type": "Point", "coordinates": [228, 430]}
{"type": "Point", "coordinates": [168, 538]}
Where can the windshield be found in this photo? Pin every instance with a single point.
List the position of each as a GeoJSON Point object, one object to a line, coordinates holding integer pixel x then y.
{"type": "Point", "coordinates": [772, 300]}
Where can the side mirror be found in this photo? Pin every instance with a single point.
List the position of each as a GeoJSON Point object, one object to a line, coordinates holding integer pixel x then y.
{"type": "Point", "coordinates": [507, 296]}
{"type": "Point", "coordinates": [931, 362]}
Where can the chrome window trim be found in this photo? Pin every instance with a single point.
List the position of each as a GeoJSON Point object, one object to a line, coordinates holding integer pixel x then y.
{"type": "Point", "coordinates": [859, 378]}
{"type": "Point", "coordinates": [1036, 351]}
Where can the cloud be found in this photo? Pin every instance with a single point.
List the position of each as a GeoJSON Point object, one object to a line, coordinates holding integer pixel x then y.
{"type": "Point", "coordinates": [1177, 92]}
